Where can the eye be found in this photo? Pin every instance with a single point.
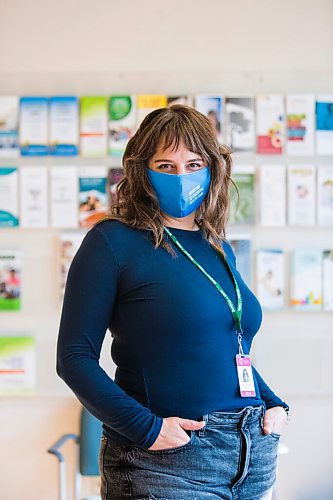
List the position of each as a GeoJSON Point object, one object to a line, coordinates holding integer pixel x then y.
{"type": "Point", "coordinates": [165, 166]}
{"type": "Point", "coordinates": [194, 166]}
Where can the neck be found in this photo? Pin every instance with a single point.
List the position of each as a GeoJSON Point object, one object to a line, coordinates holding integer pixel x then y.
{"type": "Point", "coordinates": [187, 222]}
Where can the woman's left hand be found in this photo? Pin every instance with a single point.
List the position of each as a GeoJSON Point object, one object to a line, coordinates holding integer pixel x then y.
{"type": "Point", "coordinates": [274, 420]}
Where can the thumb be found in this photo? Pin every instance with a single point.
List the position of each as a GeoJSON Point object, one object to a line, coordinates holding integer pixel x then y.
{"type": "Point", "coordinates": [187, 423]}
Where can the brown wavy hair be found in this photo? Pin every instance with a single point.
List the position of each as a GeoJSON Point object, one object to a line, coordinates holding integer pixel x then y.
{"type": "Point", "coordinates": [137, 204]}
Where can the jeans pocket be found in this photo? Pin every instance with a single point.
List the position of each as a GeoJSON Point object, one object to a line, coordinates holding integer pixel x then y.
{"type": "Point", "coordinates": [275, 435]}
{"type": "Point", "coordinates": [167, 451]}
{"type": "Point", "coordinates": [101, 453]}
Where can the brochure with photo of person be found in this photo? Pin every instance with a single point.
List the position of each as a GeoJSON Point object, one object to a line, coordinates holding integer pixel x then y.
{"type": "Point", "coordinates": [64, 126]}
{"type": "Point", "coordinates": [17, 365]}
{"type": "Point", "coordinates": [306, 282]}
{"type": "Point", "coordinates": [64, 193]}
{"type": "Point", "coordinates": [9, 107]}
{"type": "Point", "coordinates": [301, 195]}
{"type": "Point", "coordinates": [240, 125]}
{"type": "Point", "coordinates": [324, 124]}
{"type": "Point", "coordinates": [273, 195]}
{"type": "Point", "coordinates": [242, 209]}
{"type": "Point", "coordinates": [9, 208]}
{"type": "Point", "coordinates": [69, 242]}
{"type": "Point", "coordinates": [10, 280]}
{"type": "Point", "coordinates": [213, 107]}
{"type": "Point", "coordinates": [93, 126]}
{"type": "Point", "coordinates": [34, 126]}
{"type": "Point", "coordinates": [270, 280]}
{"type": "Point", "coordinates": [300, 112]}
{"type": "Point", "coordinates": [122, 122]}
{"type": "Point", "coordinates": [325, 195]}
{"type": "Point", "coordinates": [92, 195]}
{"type": "Point", "coordinates": [270, 124]}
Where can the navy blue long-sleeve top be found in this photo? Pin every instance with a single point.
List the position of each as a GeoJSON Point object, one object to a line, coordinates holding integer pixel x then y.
{"type": "Point", "coordinates": [174, 341]}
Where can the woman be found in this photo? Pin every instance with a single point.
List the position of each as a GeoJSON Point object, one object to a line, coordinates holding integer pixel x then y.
{"type": "Point", "coordinates": [178, 422]}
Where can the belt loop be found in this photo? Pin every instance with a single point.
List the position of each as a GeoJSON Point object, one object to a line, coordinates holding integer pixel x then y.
{"type": "Point", "coordinates": [245, 416]}
{"type": "Point", "coordinates": [201, 432]}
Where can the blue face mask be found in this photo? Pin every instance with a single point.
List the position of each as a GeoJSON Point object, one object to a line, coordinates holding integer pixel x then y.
{"type": "Point", "coordinates": [180, 194]}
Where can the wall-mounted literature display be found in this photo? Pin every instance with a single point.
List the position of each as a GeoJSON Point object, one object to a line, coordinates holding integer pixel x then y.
{"type": "Point", "coordinates": [70, 197]}
{"type": "Point", "coordinates": [61, 162]}
{"type": "Point", "coordinates": [100, 126]}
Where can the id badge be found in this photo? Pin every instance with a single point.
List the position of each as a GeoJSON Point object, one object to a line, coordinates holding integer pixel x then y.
{"type": "Point", "coordinates": [245, 375]}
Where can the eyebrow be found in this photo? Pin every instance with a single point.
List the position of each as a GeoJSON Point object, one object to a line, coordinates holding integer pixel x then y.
{"type": "Point", "coordinates": [170, 161]}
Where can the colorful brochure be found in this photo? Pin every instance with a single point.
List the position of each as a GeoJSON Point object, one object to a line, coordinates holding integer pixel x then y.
{"type": "Point", "coordinates": [9, 216]}
{"type": "Point", "coordinates": [325, 195]}
{"type": "Point", "coordinates": [242, 210]}
{"type": "Point", "coordinates": [147, 103]}
{"type": "Point", "coordinates": [33, 130]}
{"type": "Point", "coordinates": [273, 195]}
{"type": "Point", "coordinates": [270, 124]}
{"type": "Point", "coordinates": [301, 195]}
{"type": "Point", "coordinates": [17, 366]}
{"type": "Point", "coordinates": [240, 129]}
{"type": "Point", "coordinates": [34, 196]}
{"type": "Point", "coordinates": [10, 280]}
{"type": "Point", "coordinates": [270, 282]}
{"type": "Point", "coordinates": [300, 110]}
{"type": "Point", "coordinates": [324, 124]}
{"type": "Point", "coordinates": [9, 106]}
{"type": "Point", "coordinates": [213, 107]}
{"type": "Point", "coordinates": [92, 195]}
{"type": "Point", "coordinates": [122, 122]}
{"type": "Point", "coordinates": [64, 126]}
{"type": "Point", "coordinates": [64, 193]}
{"type": "Point", "coordinates": [93, 126]}
{"type": "Point", "coordinates": [306, 283]}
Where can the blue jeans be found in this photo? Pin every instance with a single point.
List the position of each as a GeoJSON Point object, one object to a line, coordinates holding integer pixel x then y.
{"type": "Point", "coordinates": [229, 458]}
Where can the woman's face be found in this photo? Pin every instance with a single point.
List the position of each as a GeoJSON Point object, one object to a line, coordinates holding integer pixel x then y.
{"type": "Point", "coordinates": [181, 161]}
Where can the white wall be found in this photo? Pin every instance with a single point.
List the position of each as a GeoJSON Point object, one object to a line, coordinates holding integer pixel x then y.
{"type": "Point", "coordinates": [107, 47]}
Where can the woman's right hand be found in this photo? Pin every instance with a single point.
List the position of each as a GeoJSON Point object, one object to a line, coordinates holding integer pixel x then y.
{"type": "Point", "coordinates": [172, 433]}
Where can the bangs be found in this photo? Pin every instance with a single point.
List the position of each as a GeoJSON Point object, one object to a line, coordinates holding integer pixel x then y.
{"type": "Point", "coordinates": [180, 130]}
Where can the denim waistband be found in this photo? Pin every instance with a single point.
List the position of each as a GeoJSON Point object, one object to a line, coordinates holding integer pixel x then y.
{"type": "Point", "coordinates": [248, 414]}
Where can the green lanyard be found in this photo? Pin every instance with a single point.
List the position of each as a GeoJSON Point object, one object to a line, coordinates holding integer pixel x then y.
{"type": "Point", "coordinates": [236, 312]}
